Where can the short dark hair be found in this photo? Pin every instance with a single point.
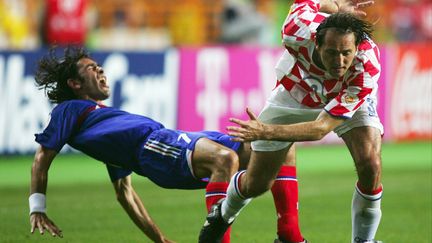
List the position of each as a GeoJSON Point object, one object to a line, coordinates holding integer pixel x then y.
{"type": "Point", "coordinates": [344, 23]}
{"type": "Point", "coordinates": [53, 72]}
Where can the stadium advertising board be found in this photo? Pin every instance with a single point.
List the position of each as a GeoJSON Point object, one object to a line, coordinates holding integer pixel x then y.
{"type": "Point", "coordinates": [201, 88]}
{"type": "Point", "coordinates": [410, 112]}
{"type": "Point", "coordinates": [142, 83]}
{"type": "Point", "coordinates": [382, 106]}
{"type": "Point", "coordinates": [217, 83]}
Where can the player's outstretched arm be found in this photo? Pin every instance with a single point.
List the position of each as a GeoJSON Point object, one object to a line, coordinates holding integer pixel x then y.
{"type": "Point", "coordinates": [37, 201]}
{"type": "Point", "coordinates": [134, 207]}
{"type": "Point", "coordinates": [253, 129]}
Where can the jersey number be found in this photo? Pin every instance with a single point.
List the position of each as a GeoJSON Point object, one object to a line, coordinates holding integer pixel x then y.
{"type": "Point", "coordinates": [185, 137]}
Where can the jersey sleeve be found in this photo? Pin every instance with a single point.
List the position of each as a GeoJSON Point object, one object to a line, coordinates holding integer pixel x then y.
{"type": "Point", "coordinates": [116, 173]}
{"type": "Point", "coordinates": [64, 121]}
{"type": "Point", "coordinates": [301, 23]}
{"type": "Point", "coordinates": [359, 85]}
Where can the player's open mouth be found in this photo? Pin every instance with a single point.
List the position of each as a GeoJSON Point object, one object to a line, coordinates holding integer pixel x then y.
{"type": "Point", "coordinates": [103, 83]}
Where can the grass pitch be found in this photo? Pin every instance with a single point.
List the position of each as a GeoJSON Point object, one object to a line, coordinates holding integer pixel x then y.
{"type": "Point", "coordinates": [81, 201]}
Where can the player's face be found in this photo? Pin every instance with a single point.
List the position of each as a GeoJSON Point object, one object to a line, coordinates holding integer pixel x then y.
{"type": "Point", "coordinates": [94, 85]}
{"type": "Point", "coordinates": [337, 52]}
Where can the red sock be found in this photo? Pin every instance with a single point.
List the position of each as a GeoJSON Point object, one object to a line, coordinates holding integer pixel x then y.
{"type": "Point", "coordinates": [214, 192]}
{"type": "Point", "coordinates": [285, 196]}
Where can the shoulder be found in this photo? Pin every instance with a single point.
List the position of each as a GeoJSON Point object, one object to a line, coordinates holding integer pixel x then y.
{"type": "Point", "coordinates": [368, 56]}
{"type": "Point", "coordinates": [72, 106]}
{"type": "Point", "coordinates": [368, 49]}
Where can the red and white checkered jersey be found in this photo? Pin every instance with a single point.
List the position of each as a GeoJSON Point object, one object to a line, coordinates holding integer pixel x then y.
{"type": "Point", "coordinates": [311, 85]}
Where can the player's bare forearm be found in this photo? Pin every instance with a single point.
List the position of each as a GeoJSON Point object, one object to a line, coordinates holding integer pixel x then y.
{"type": "Point", "coordinates": [39, 171]}
{"type": "Point", "coordinates": [134, 207]}
{"type": "Point", "coordinates": [253, 129]}
{"type": "Point", "coordinates": [305, 131]}
{"type": "Point", "coordinates": [39, 178]}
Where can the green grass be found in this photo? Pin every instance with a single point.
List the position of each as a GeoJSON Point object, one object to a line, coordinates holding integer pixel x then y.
{"type": "Point", "coordinates": [81, 201]}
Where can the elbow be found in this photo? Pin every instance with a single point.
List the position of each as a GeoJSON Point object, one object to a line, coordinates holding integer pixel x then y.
{"type": "Point", "coordinates": [124, 192]}
{"type": "Point", "coordinates": [318, 136]}
{"type": "Point", "coordinates": [324, 124]}
{"type": "Point", "coordinates": [122, 199]}
{"type": "Point", "coordinates": [321, 131]}
{"type": "Point", "coordinates": [123, 195]}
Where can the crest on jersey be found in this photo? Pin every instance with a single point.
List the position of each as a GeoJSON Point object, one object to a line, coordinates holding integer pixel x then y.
{"type": "Point", "coordinates": [349, 99]}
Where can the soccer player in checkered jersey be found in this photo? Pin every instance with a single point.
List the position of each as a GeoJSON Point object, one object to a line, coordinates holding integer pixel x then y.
{"type": "Point", "coordinates": [327, 81]}
{"type": "Point", "coordinates": [125, 142]}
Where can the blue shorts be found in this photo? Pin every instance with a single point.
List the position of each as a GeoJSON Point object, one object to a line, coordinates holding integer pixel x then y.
{"type": "Point", "coordinates": [165, 158]}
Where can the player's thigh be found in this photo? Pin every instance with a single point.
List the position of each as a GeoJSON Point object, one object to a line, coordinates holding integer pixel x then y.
{"type": "Point", "coordinates": [263, 168]}
{"type": "Point", "coordinates": [244, 152]}
{"type": "Point", "coordinates": [364, 144]}
{"type": "Point", "coordinates": [209, 156]}
{"type": "Point", "coordinates": [362, 134]}
{"type": "Point", "coordinates": [290, 159]}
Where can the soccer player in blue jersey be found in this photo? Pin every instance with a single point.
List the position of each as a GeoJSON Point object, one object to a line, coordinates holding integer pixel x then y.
{"type": "Point", "coordinates": [125, 142]}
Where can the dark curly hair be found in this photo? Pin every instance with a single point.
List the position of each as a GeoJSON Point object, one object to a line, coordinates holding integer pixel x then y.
{"type": "Point", "coordinates": [344, 23]}
{"type": "Point", "coordinates": [53, 72]}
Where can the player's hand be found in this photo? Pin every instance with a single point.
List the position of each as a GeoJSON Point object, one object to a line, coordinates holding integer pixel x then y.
{"type": "Point", "coordinates": [168, 241]}
{"type": "Point", "coordinates": [249, 130]}
{"type": "Point", "coordinates": [43, 223]}
{"type": "Point", "coordinates": [354, 6]}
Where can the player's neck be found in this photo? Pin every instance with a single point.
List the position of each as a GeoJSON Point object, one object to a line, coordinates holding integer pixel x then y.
{"type": "Point", "coordinates": [86, 97]}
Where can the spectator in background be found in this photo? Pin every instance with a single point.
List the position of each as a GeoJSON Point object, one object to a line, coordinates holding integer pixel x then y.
{"type": "Point", "coordinates": [404, 25]}
{"type": "Point", "coordinates": [425, 9]}
{"type": "Point", "coordinates": [241, 23]}
{"type": "Point", "coordinates": [64, 22]}
{"type": "Point", "coordinates": [411, 20]}
{"type": "Point", "coordinates": [15, 25]}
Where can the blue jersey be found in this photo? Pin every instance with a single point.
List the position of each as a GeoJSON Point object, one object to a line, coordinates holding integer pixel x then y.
{"type": "Point", "coordinates": [127, 142]}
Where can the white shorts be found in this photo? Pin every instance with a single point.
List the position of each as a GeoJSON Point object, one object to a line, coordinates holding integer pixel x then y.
{"type": "Point", "coordinates": [282, 108]}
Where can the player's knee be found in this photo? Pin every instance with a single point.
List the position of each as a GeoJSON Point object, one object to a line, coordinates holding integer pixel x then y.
{"type": "Point", "coordinates": [227, 161]}
{"type": "Point", "coordinates": [369, 166]}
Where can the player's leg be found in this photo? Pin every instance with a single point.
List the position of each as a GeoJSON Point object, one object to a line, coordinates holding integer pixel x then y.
{"type": "Point", "coordinates": [218, 163]}
{"type": "Point", "coordinates": [264, 164]}
{"type": "Point", "coordinates": [364, 144]}
{"type": "Point", "coordinates": [261, 172]}
{"type": "Point", "coordinates": [285, 196]}
{"type": "Point", "coordinates": [244, 152]}
{"type": "Point", "coordinates": [215, 161]}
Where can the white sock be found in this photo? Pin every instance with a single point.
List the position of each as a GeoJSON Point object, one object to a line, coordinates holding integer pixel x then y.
{"type": "Point", "coordinates": [234, 201]}
{"type": "Point", "coordinates": [365, 214]}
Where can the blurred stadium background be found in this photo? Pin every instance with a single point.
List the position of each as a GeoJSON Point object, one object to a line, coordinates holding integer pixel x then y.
{"type": "Point", "coordinates": [192, 64]}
